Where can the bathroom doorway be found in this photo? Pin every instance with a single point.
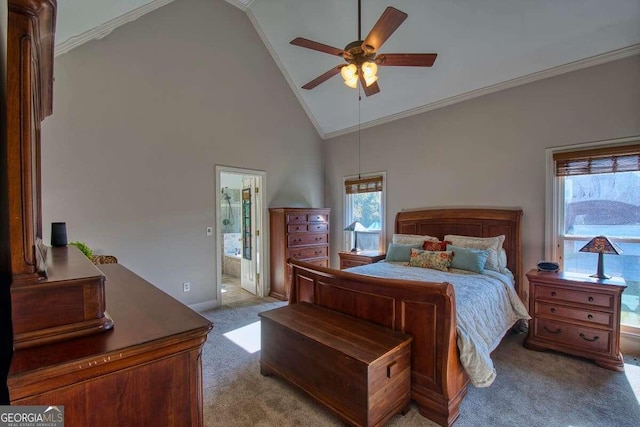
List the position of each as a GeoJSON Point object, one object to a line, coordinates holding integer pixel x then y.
{"type": "Point", "coordinates": [240, 214]}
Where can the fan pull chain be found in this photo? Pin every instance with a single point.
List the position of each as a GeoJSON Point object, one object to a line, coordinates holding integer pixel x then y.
{"type": "Point", "coordinates": [359, 100]}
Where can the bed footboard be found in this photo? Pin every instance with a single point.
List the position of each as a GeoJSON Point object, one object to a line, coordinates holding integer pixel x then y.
{"type": "Point", "coordinates": [424, 310]}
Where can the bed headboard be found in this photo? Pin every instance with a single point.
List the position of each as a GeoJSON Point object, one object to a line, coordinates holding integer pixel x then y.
{"type": "Point", "coordinates": [478, 222]}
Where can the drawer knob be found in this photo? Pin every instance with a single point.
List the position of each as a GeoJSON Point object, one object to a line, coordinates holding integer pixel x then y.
{"type": "Point", "coordinates": [557, 331]}
{"type": "Point", "coordinates": [596, 338]}
{"type": "Point", "coordinates": [590, 316]}
{"type": "Point", "coordinates": [553, 310]}
{"type": "Point", "coordinates": [553, 294]}
{"type": "Point", "coordinates": [317, 238]}
{"type": "Point", "coordinates": [590, 299]}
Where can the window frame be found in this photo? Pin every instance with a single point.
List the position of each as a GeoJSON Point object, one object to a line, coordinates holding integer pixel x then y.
{"type": "Point", "coordinates": [554, 209]}
{"type": "Point", "coordinates": [348, 211]}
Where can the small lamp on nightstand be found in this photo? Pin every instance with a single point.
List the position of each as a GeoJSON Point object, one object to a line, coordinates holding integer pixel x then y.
{"type": "Point", "coordinates": [601, 245]}
{"type": "Point", "coordinates": [355, 226]}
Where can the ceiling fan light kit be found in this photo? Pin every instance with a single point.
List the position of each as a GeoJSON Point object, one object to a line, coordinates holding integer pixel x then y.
{"type": "Point", "coordinates": [362, 57]}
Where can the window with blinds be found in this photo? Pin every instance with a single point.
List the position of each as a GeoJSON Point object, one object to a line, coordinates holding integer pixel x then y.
{"type": "Point", "coordinates": [364, 212]}
{"type": "Point", "coordinates": [598, 193]}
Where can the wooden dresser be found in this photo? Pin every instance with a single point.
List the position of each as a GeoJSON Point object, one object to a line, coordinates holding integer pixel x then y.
{"type": "Point", "coordinates": [354, 259]}
{"type": "Point", "coordinates": [576, 314]}
{"type": "Point", "coordinates": [138, 364]}
{"type": "Point", "coordinates": [145, 371]}
{"type": "Point", "coordinates": [299, 233]}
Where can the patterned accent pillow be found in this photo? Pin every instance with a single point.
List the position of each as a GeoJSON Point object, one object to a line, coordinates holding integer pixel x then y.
{"type": "Point", "coordinates": [492, 244]}
{"type": "Point", "coordinates": [437, 260]}
{"type": "Point", "coordinates": [435, 246]}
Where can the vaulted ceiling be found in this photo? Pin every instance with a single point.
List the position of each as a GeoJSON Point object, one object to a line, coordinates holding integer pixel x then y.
{"type": "Point", "coordinates": [482, 46]}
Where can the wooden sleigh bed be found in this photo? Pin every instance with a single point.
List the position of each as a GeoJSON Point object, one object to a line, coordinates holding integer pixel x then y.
{"type": "Point", "coordinates": [422, 309]}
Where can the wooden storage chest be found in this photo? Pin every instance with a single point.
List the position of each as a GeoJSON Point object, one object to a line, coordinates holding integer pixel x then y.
{"type": "Point", "coordinates": [359, 370]}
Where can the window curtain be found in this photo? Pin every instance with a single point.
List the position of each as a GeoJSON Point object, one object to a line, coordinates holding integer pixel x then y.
{"type": "Point", "coordinates": [602, 160]}
{"type": "Point", "coordinates": [363, 185]}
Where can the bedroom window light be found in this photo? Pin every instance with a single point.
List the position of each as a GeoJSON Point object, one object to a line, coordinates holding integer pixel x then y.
{"type": "Point", "coordinates": [595, 190]}
{"type": "Point", "coordinates": [364, 199]}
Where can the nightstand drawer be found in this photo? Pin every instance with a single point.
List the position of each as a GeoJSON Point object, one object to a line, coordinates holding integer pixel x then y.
{"type": "Point", "coordinates": [554, 310]}
{"type": "Point", "coordinates": [570, 295]}
{"type": "Point", "coordinates": [348, 263]}
{"type": "Point", "coordinates": [573, 336]}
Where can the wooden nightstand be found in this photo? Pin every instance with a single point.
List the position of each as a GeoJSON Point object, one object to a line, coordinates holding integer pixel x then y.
{"type": "Point", "coordinates": [353, 259]}
{"type": "Point", "coordinates": [576, 314]}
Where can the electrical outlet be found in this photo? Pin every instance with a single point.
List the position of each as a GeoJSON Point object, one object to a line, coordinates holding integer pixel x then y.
{"type": "Point", "coordinates": [209, 231]}
{"type": "Point", "coordinates": [186, 286]}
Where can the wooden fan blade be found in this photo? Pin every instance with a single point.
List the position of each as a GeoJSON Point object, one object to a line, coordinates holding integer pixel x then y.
{"type": "Point", "coordinates": [369, 90]}
{"type": "Point", "coordinates": [324, 77]}
{"type": "Point", "coordinates": [309, 44]}
{"type": "Point", "coordinates": [388, 22]}
{"type": "Point", "coordinates": [406, 59]}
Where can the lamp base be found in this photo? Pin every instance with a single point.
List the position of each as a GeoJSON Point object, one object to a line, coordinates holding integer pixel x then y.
{"type": "Point", "coordinates": [354, 250]}
{"type": "Point", "coordinates": [600, 276]}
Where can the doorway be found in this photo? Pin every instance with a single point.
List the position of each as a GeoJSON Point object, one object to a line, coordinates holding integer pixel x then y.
{"type": "Point", "coordinates": [239, 239]}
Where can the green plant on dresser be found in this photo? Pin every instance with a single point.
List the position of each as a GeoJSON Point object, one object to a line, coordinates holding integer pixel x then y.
{"type": "Point", "coordinates": [86, 250]}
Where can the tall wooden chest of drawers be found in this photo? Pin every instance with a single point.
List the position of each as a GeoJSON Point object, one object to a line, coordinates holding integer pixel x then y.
{"type": "Point", "coordinates": [300, 233]}
{"type": "Point", "coordinates": [576, 314]}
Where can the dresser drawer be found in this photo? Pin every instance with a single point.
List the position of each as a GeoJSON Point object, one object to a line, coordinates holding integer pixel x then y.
{"type": "Point", "coordinates": [304, 239]}
{"type": "Point", "coordinates": [313, 252]}
{"type": "Point", "coordinates": [570, 295]}
{"type": "Point", "coordinates": [317, 218]}
{"type": "Point", "coordinates": [320, 262]}
{"type": "Point", "coordinates": [553, 310]}
{"type": "Point", "coordinates": [296, 218]}
{"type": "Point", "coordinates": [317, 226]}
{"type": "Point", "coordinates": [573, 336]}
{"type": "Point", "coordinates": [299, 228]}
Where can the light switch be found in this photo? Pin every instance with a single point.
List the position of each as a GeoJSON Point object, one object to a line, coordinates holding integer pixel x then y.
{"type": "Point", "coordinates": [209, 231]}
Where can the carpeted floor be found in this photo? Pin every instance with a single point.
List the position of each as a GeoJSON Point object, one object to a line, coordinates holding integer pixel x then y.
{"type": "Point", "coordinates": [532, 388]}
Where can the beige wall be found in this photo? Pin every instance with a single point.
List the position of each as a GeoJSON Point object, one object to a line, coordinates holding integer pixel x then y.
{"type": "Point", "coordinates": [489, 151]}
{"type": "Point", "coordinates": [140, 120]}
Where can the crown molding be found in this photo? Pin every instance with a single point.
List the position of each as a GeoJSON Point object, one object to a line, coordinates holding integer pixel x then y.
{"type": "Point", "coordinates": [104, 29]}
{"type": "Point", "coordinates": [592, 61]}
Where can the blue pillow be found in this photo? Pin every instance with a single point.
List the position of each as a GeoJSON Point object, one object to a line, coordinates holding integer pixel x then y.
{"type": "Point", "coordinates": [468, 259]}
{"type": "Point", "coordinates": [398, 252]}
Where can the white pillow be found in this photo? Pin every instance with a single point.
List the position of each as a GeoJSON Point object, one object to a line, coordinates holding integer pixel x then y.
{"type": "Point", "coordinates": [502, 259]}
{"type": "Point", "coordinates": [492, 244]}
{"type": "Point", "coordinates": [412, 239]}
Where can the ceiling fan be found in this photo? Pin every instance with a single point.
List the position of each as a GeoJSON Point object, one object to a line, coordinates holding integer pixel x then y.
{"type": "Point", "coordinates": [362, 56]}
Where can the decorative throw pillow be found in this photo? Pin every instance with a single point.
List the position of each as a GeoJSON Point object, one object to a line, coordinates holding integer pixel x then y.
{"type": "Point", "coordinates": [435, 246]}
{"type": "Point", "coordinates": [412, 239]}
{"type": "Point", "coordinates": [468, 259]}
{"type": "Point", "coordinates": [400, 253]}
{"type": "Point", "coordinates": [492, 244]}
{"type": "Point", "coordinates": [439, 260]}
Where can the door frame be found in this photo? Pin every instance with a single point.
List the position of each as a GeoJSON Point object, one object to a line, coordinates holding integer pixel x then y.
{"type": "Point", "coordinates": [263, 267]}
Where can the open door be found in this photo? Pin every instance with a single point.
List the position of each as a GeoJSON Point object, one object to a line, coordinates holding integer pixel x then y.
{"type": "Point", "coordinates": [250, 219]}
